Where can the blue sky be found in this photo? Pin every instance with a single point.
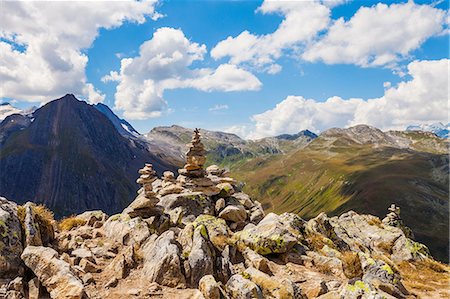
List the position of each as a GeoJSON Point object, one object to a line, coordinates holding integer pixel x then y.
{"type": "Point", "coordinates": [252, 111]}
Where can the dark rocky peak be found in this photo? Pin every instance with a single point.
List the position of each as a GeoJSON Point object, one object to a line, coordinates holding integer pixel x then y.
{"type": "Point", "coordinates": [303, 133]}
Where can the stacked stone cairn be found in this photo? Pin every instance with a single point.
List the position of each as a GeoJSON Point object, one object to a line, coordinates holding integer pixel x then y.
{"type": "Point", "coordinates": [393, 219]}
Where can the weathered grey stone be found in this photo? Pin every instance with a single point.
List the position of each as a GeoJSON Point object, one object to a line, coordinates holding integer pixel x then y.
{"type": "Point", "coordinates": [124, 230]}
{"type": "Point", "coordinates": [53, 273]}
{"type": "Point", "coordinates": [209, 287]}
{"type": "Point", "coordinates": [269, 236]}
{"type": "Point", "coordinates": [201, 257]}
{"type": "Point", "coordinates": [234, 213]}
{"type": "Point", "coordinates": [240, 288]}
{"type": "Point", "coordinates": [162, 262]}
{"type": "Point", "coordinates": [10, 240]}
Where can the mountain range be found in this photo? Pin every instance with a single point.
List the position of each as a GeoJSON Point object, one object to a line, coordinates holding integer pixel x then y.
{"type": "Point", "coordinates": [73, 157]}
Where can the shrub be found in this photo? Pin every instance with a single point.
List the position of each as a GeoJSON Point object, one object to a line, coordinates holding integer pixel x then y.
{"type": "Point", "coordinates": [351, 265]}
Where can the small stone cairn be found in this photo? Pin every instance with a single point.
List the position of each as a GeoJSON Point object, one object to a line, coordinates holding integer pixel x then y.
{"type": "Point", "coordinates": [195, 158]}
{"type": "Point", "coordinates": [393, 219]}
{"type": "Point", "coordinates": [148, 176]}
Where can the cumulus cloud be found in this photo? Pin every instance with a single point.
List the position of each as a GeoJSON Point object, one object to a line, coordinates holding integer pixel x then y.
{"type": "Point", "coordinates": [377, 36]}
{"type": "Point", "coordinates": [302, 21]}
{"type": "Point", "coordinates": [165, 62]}
{"type": "Point", "coordinates": [422, 99]}
{"type": "Point", "coordinates": [42, 44]}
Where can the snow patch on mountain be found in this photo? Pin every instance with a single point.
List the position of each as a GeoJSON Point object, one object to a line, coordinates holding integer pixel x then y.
{"type": "Point", "coordinates": [439, 129]}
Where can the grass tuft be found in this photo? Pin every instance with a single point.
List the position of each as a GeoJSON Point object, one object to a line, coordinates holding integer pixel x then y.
{"type": "Point", "coordinates": [70, 222]}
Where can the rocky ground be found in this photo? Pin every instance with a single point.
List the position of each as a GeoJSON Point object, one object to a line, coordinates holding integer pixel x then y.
{"type": "Point", "coordinates": [199, 236]}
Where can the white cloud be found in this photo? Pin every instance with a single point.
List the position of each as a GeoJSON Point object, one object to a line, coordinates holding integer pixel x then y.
{"type": "Point", "coordinates": [218, 107]}
{"type": "Point", "coordinates": [42, 44]}
{"type": "Point", "coordinates": [164, 62]}
{"type": "Point", "coordinates": [422, 99]}
{"type": "Point", "coordinates": [302, 21]}
{"type": "Point", "coordinates": [379, 35]}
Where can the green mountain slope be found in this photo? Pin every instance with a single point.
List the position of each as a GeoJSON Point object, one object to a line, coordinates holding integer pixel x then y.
{"type": "Point", "coordinates": [341, 171]}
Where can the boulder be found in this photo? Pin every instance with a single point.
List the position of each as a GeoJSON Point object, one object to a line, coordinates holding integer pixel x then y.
{"type": "Point", "coordinates": [31, 226]}
{"type": "Point", "coordinates": [220, 204]}
{"type": "Point", "coordinates": [201, 258]}
{"type": "Point", "coordinates": [269, 236]}
{"type": "Point", "coordinates": [274, 287]}
{"type": "Point", "coordinates": [252, 259]}
{"type": "Point", "coordinates": [405, 249]}
{"type": "Point", "coordinates": [216, 228]}
{"type": "Point", "coordinates": [143, 207]}
{"type": "Point", "coordinates": [124, 230]}
{"type": "Point", "coordinates": [92, 217]}
{"type": "Point", "coordinates": [225, 189]}
{"type": "Point", "coordinates": [54, 274]}
{"type": "Point", "coordinates": [234, 213]}
{"type": "Point", "coordinates": [186, 206]}
{"type": "Point", "coordinates": [120, 266]}
{"type": "Point", "coordinates": [243, 199]}
{"type": "Point", "coordinates": [10, 240]}
{"type": "Point", "coordinates": [239, 287]}
{"type": "Point", "coordinates": [162, 262]}
{"type": "Point", "coordinates": [209, 287]}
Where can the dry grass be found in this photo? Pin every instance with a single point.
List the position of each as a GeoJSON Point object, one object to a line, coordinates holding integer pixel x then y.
{"type": "Point", "coordinates": [324, 268]}
{"type": "Point", "coordinates": [375, 221]}
{"type": "Point", "coordinates": [70, 222]}
{"type": "Point", "coordinates": [386, 247]}
{"type": "Point", "coordinates": [425, 276]}
{"type": "Point", "coordinates": [45, 218]}
{"type": "Point", "coordinates": [351, 264]}
{"type": "Point", "coordinates": [316, 242]}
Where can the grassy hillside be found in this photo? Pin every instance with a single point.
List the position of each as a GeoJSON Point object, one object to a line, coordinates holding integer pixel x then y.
{"type": "Point", "coordinates": [337, 175]}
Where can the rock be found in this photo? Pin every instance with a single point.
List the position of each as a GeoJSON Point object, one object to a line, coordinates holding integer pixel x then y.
{"type": "Point", "coordinates": [171, 189]}
{"type": "Point", "coordinates": [34, 287]}
{"type": "Point", "coordinates": [201, 257]}
{"type": "Point", "coordinates": [226, 189]}
{"type": "Point", "coordinates": [120, 266]}
{"type": "Point", "coordinates": [91, 217]}
{"type": "Point", "coordinates": [31, 227]}
{"type": "Point", "coordinates": [87, 278]}
{"type": "Point", "coordinates": [216, 229]}
{"type": "Point", "coordinates": [274, 287]}
{"type": "Point", "coordinates": [16, 285]}
{"type": "Point", "coordinates": [158, 224]}
{"type": "Point", "coordinates": [54, 274]}
{"type": "Point", "coordinates": [243, 199]}
{"type": "Point", "coordinates": [252, 259]}
{"type": "Point", "coordinates": [379, 275]}
{"type": "Point", "coordinates": [112, 283]}
{"type": "Point", "coordinates": [124, 230]}
{"type": "Point", "coordinates": [195, 158]}
{"type": "Point", "coordinates": [257, 213]}
{"type": "Point", "coordinates": [240, 288]}
{"type": "Point", "coordinates": [327, 264]}
{"type": "Point", "coordinates": [187, 205]}
{"type": "Point", "coordinates": [82, 253]}
{"type": "Point", "coordinates": [10, 240]}
{"type": "Point", "coordinates": [88, 266]}
{"type": "Point", "coordinates": [169, 176]}
{"type": "Point", "coordinates": [162, 262]}
{"type": "Point", "coordinates": [220, 204]}
{"type": "Point", "coordinates": [209, 287]}
{"type": "Point", "coordinates": [143, 207]}
{"type": "Point", "coordinates": [269, 236]}
{"type": "Point", "coordinates": [234, 213]}
{"type": "Point", "coordinates": [214, 170]}
{"type": "Point", "coordinates": [405, 249]}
